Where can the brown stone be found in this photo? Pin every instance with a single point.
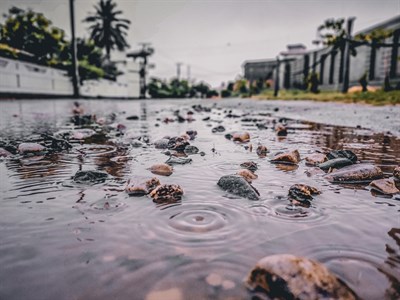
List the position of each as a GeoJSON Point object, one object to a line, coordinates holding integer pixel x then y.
{"type": "Point", "coordinates": [249, 165]}
{"type": "Point", "coordinates": [139, 186]}
{"type": "Point", "coordinates": [315, 159]}
{"type": "Point", "coordinates": [262, 151]}
{"type": "Point", "coordinates": [241, 137]}
{"type": "Point", "coordinates": [292, 157]}
{"type": "Point", "coordinates": [286, 276]}
{"type": "Point", "coordinates": [385, 186]}
{"type": "Point", "coordinates": [396, 173]}
{"type": "Point", "coordinates": [355, 173]}
{"type": "Point", "coordinates": [167, 193]}
{"type": "Point", "coordinates": [247, 174]}
{"type": "Point", "coordinates": [302, 192]}
{"type": "Point", "coordinates": [161, 169]}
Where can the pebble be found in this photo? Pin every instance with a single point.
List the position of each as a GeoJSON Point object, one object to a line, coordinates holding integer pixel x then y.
{"type": "Point", "coordinates": [241, 137]}
{"type": "Point", "coordinates": [161, 169]}
{"type": "Point", "coordinates": [302, 192]}
{"type": "Point", "coordinates": [335, 163]}
{"type": "Point", "coordinates": [237, 185]}
{"type": "Point", "coordinates": [167, 193]}
{"type": "Point", "coordinates": [262, 151]}
{"type": "Point", "coordinates": [292, 157]}
{"type": "Point", "coordinates": [385, 186]}
{"type": "Point", "coordinates": [219, 128]}
{"type": "Point", "coordinates": [315, 159]}
{"type": "Point", "coordinates": [355, 173]}
{"type": "Point", "coordinates": [250, 165]}
{"type": "Point", "coordinates": [178, 160]}
{"type": "Point", "coordinates": [90, 176]}
{"type": "Point", "coordinates": [247, 174]}
{"type": "Point", "coordinates": [29, 148]}
{"type": "Point", "coordinates": [285, 276]}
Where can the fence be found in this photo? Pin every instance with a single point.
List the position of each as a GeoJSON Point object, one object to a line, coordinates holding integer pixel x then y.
{"type": "Point", "coordinates": [377, 61]}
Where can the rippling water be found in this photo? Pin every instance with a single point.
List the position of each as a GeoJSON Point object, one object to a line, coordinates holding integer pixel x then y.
{"type": "Point", "coordinates": [63, 240]}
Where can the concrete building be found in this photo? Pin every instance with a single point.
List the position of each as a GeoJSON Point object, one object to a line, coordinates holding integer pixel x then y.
{"type": "Point", "coordinates": [259, 69]}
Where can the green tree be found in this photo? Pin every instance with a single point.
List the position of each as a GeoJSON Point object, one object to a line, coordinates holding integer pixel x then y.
{"type": "Point", "coordinates": [33, 32]}
{"type": "Point", "coordinates": [107, 29]}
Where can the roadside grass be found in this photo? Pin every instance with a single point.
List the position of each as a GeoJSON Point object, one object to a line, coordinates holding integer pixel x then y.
{"type": "Point", "coordinates": [374, 98]}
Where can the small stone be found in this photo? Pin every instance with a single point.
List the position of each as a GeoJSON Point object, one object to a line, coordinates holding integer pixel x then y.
{"type": "Point", "coordinates": [247, 174]}
{"type": "Point", "coordinates": [4, 153]}
{"type": "Point", "coordinates": [237, 185]}
{"type": "Point", "coordinates": [219, 128]}
{"type": "Point", "coordinates": [90, 176]}
{"type": "Point", "coordinates": [190, 149]}
{"type": "Point", "coordinates": [342, 154]}
{"type": "Point", "coordinates": [292, 157]}
{"type": "Point", "coordinates": [250, 165]}
{"type": "Point", "coordinates": [280, 130]}
{"type": "Point", "coordinates": [161, 169]}
{"type": "Point", "coordinates": [286, 276]}
{"type": "Point", "coordinates": [30, 148]}
{"type": "Point", "coordinates": [302, 192]}
{"type": "Point", "coordinates": [262, 151]}
{"type": "Point", "coordinates": [241, 137]}
{"type": "Point", "coordinates": [178, 160]}
{"type": "Point", "coordinates": [315, 159]}
{"type": "Point", "coordinates": [396, 173]}
{"type": "Point", "coordinates": [167, 193]}
{"type": "Point", "coordinates": [228, 136]}
{"type": "Point", "coordinates": [139, 186]}
{"type": "Point", "coordinates": [137, 144]}
{"type": "Point", "coordinates": [192, 134]}
{"type": "Point", "coordinates": [355, 173]}
{"type": "Point", "coordinates": [385, 186]}
{"type": "Point", "coordinates": [335, 163]}
{"type": "Point", "coordinates": [161, 144]}
{"type": "Point", "coordinates": [82, 134]}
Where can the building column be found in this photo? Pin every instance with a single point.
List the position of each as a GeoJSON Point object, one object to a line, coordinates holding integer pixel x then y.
{"type": "Point", "coordinates": [332, 68]}
{"type": "Point", "coordinates": [395, 53]}
{"type": "Point", "coordinates": [306, 67]}
{"type": "Point", "coordinates": [372, 58]}
{"type": "Point", "coordinates": [322, 69]}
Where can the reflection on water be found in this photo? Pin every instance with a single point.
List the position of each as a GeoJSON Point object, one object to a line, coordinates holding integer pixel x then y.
{"type": "Point", "coordinates": [64, 240]}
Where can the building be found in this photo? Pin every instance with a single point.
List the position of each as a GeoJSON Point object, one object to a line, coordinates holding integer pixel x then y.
{"type": "Point", "coordinates": [259, 69]}
{"type": "Point", "coordinates": [377, 60]}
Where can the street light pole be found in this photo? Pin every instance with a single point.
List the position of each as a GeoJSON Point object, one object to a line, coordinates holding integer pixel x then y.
{"type": "Point", "coordinates": [75, 73]}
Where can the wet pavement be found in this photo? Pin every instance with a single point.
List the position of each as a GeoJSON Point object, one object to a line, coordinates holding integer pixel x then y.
{"type": "Point", "coordinates": [61, 239]}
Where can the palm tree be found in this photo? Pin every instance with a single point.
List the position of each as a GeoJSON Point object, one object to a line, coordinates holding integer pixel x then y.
{"type": "Point", "coordinates": [107, 30]}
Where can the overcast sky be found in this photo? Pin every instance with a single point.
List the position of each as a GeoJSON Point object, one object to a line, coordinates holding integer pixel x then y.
{"type": "Point", "coordinates": [215, 37]}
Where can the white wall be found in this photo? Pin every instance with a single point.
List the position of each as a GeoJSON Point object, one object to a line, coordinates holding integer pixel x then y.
{"type": "Point", "coordinates": [27, 78]}
{"type": "Point", "coordinates": [23, 77]}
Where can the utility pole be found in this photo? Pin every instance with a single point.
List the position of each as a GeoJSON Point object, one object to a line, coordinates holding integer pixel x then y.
{"type": "Point", "coordinates": [143, 54]}
{"type": "Point", "coordinates": [188, 72]}
{"type": "Point", "coordinates": [346, 69]}
{"type": "Point", "coordinates": [178, 70]}
{"type": "Point", "coordinates": [75, 73]}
